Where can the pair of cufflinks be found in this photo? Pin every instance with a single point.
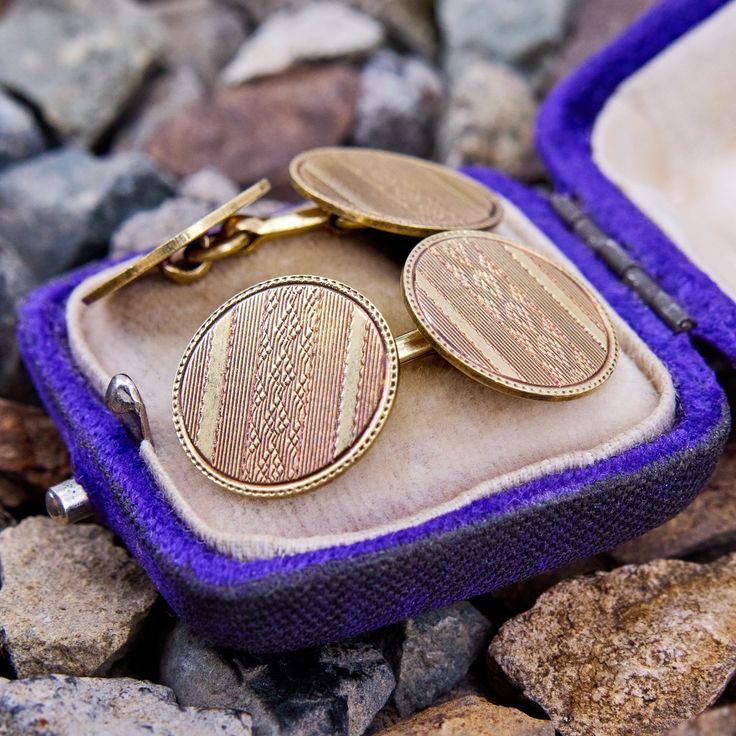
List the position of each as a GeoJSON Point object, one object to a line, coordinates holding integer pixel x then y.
{"type": "Point", "coordinates": [289, 382]}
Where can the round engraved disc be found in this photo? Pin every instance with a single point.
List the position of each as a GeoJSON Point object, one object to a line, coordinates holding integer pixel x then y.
{"type": "Point", "coordinates": [393, 192]}
{"type": "Point", "coordinates": [508, 317]}
{"type": "Point", "coordinates": [285, 386]}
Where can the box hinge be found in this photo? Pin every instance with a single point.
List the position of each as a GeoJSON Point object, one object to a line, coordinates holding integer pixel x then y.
{"type": "Point", "coordinates": [620, 262]}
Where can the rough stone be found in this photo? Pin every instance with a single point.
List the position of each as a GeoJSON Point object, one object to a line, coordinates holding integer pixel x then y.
{"type": "Point", "coordinates": [56, 705]}
{"type": "Point", "coordinates": [490, 121]}
{"type": "Point", "coordinates": [470, 715]}
{"type": "Point", "coordinates": [201, 34]}
{"type": "Point", "coordinates": [60, 208]}
{"type": "Point", "coordinates": [30, 446]}
{"type": "Point", "coordinates": [334, 690]}
{"type": "Point", "coordinates": [208, 185]}
{"type": "Point", "coordinates": [434, 652]}
{"type": "Point", "coordinates": [637, 650]}
{"type": "Point", "coordinates": [16, 280]}
{"type": "Point", "coordinates": [165, 97]}
{"type": "Point", "coordinates": [409, 22]}
{"type": "Point", "coordinates": [513, 33]}
{"type": "Point", "coordinates": [595, 24]}
{"type": "Point", "coordinates": [717, 722]}
{"type": "Point", "coordinates": [20, 136]}
{"type": "Point", "coordinates": [706, 527]}
{"type": "Point", "coordinates": [255, 130]}
{"type": "Point", "coordinates": [145, 230]}
{"type": "Point", "coordinates": [78, 61]}
{"type": "Point", "coordinates": [399, 103]}
{"type": "Point", "coordinates": [71, 599]}
{"type": "Point", "coordinates": [321, 30]}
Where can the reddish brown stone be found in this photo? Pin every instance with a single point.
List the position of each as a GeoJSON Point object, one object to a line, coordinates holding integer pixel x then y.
{"type": "Point", "coordinates": [30, 446]}
{"type": "Point", "coordinates": [255, 130]}
{"type": "Point", "coordinates": [470, 715]}
{"type": "Point", "coordinates": [707, 527]}
{"type": "Point", "coordinates": [717, 722]}
{"type": "Point", "coordinates": [597, 23]}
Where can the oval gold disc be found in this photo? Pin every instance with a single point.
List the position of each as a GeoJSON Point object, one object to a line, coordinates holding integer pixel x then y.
{"type": "Point", "coordinates": [285, 386]}
{"type": "Point", "coordinates": [393, 192]}
{"type": "Point", "coordinates": [509, 317]}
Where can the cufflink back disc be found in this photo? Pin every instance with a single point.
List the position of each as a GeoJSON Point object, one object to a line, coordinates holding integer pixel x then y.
{"type": "Point", "coordinates": [393, 192]}
{"type": "Point", "coordinates": [508, 317]}
{"type": "Point", "coordinates": [285, 386]}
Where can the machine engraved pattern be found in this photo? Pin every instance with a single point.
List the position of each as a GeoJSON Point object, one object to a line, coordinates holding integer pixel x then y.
{"type": "Point", "coordinates": [282, 384]}
{"type": "Point", "coordinates": [396, 189]}
{"type": "Point", "coordinates": [507, 313]}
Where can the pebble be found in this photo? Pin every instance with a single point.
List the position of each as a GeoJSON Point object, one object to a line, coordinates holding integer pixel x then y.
{"type": "Point", "coordinates": [399, 104]}
{"type": "Point", "coordinates": [255, 130]}
{"type": "Point", "coordinates": [78, 61]}
{"type": "Point", "coordinates": [16, 280]}
{"type": "Point", "coordinates": [31, 448]}
{"type": "Point", "coordinates": [410, 22]}
{"type": "Point", "coordinates": [520, 33]}
{"type": "Point", "coordinates": [165, 97]}
{"type": "Point", "coordinates": [716, 722]}
{"type": "Point", "coordinates": [706, 528]}
{"type": "Point", "coordinates": [490, 121]}
{"type": "Point", "coordinates": [145, 230]}
{"type": "Point", "coordinates": [20, 136]}
{"type": "Point", "coordinates": [71, 599]}
{"type": "Point", "coordinates": [56, 705]}
{"type": "Point", "coordinates": [321, 30]}
{"type": "Point", "coordinates": [638, 650]}
{"type": "Point", "coordinates": [208, 185]}
{"type": "Point", "coordinates": [470, 716]}
{"type": "Point", "coordinates": [335, 690]}
{"type": "Point", "coordinates": [202, 35]}
{"type": "Point", "coordinates": [434, 652]}
{"type": "Point", "coordinates": [60, 209]}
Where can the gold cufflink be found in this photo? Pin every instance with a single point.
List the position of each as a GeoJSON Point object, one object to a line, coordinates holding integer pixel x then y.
{"type": "Point", "coordinates": [350, 188]}
{"type": "Point", "coordinates": [289, 382]}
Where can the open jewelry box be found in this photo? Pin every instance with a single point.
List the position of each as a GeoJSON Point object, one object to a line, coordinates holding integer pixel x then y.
{"type": "Point", "coordinates": [466, 489]}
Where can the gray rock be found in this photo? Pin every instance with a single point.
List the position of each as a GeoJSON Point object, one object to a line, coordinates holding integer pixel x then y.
{"type": "Point", "coordinates": [16, 280]}
{"type": "Point", "coordinates": [434, 652]}
{"type": "Point", "coordinates": [409, 22]}
{"type": "Point", "coordinates": [321, 30]}
{"type": "Point", "coordinates": [399, 102]}
{"type": "Point", "coordinates": [165, 97]}
{"type": "Point", "coordinates": [56, 705]}
{"type": "Point", "coordinates": [208, 185]}
{"type": "Point", "coordinates": [145, 230]}
{"type": "Point", "coordinates": [490, 121]}
{"type": "Point", "coordinates": [78, 61]}
{"type": "Point", "coordinates": [60, 208]}
{"type": "Point", "coordinates": [71, 599]}
{"type": "Point", "coordinates": [201, 34]}
{"type": "Point", "coordinates": [20, 136]}
{"type": "Point", "coordinates": [333, 690]}
{"type": "Point", "coordinates": [518, 33]}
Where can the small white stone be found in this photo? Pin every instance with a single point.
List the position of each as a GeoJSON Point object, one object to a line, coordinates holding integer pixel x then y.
{"type": "Point", "coordinates": [322, 30]}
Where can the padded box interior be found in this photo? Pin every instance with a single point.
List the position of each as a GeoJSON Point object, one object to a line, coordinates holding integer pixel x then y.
{"type": "Point", "coordinates": [448, 440]}
{"type": "Point", "coordinates": [667, 138]}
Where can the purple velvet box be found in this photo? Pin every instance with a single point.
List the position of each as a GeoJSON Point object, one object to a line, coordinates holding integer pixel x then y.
{"type": "Point", "coordinates": [313, 597]}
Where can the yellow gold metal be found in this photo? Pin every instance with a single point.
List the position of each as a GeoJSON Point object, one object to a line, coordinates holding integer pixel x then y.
{"type": "Point", "coordinates": [412, 345]}
{"type": "Point", "coordinates": [508, 317]}
{"type": "Point", "coordinates": [393, 192]}
{"type": "Point", "coordinates": [285, 386]}
{"type": "Point", "coordinates": [166, 250]}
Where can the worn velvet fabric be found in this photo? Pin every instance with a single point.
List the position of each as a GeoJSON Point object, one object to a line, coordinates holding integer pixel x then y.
{"type": "Point", "coordinates": [294, 600]}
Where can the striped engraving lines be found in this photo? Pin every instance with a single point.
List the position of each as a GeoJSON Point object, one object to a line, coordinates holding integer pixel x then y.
{"type": "Point", "coordinates": [282, 382]}
{"type": "Point", "coordinates": [508, 316]}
